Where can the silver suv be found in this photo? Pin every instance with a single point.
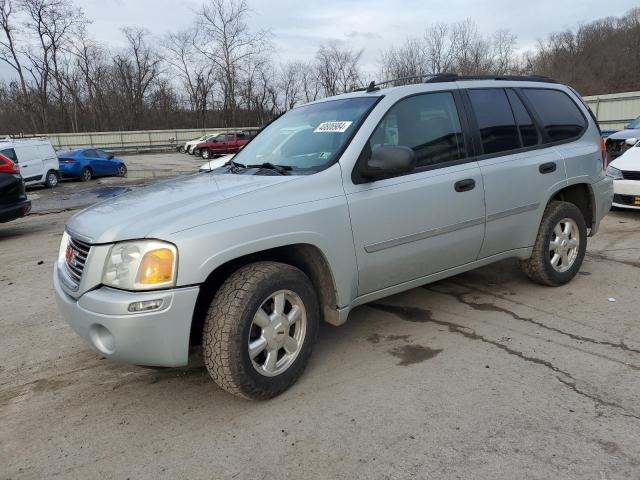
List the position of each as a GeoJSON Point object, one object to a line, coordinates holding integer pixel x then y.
{"type": "Point", "coordinates": [335, 204]}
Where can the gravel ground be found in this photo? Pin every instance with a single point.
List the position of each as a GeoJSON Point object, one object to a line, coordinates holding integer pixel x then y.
{"type": "Point", "coordinates": [484, 375]}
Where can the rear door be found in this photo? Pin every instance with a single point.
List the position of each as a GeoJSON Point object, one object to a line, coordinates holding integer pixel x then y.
{"type": "Point", "coordinates": [425, 221]}
{"type": "Point", "coordinates": [519, 172]}
{"type": "Point", "coordinates": [30, 161]}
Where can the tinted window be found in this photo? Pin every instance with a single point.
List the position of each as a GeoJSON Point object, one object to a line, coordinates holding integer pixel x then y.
{"type": "Point", "coordinates": [102, 154]}
{"type": "Point", "coordinates": [495, 120]}
{"type": "Point", "coordinates": [10, 153]}
{"type": "Point", "coordinates": [242, 136]}
{"type": "Point", "coordinates": [428, 124]}
{"type": "Point", "coordinates": [560, 116]}
{"type": "Point", "coordinates": [526, 127]}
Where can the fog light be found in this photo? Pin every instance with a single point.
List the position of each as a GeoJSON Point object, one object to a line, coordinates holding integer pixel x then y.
{"type": "Point", "coordinates": [145, 306]}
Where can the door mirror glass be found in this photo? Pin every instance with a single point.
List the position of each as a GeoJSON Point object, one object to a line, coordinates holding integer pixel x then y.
{"type": "Point", "coordinates": [388, 161]}
{"type": "Point", "coordinates": [110, 157]}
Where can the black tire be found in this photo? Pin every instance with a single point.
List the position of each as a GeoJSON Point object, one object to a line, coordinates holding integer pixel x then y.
{"type": "Point", "coordinates": [181, 149]}
{"type": "Point", "coordinates": [86, 174]}
{"type": "Point", "coordinates": [228, 327]}
{"type": "Point", "coordinates": [122, 171]}
{"type": "Point", "coordinates": [52, 179]}
{"type": "Point", "coordinates": [205, 153]}
{"type": "Point", "coordinates": [539, 267]}
{"type": "Point", "coordinates": [196, 152]}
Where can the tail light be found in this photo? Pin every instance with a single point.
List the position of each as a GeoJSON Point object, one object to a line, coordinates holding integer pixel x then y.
{"type": "Point", "coordinates": [603, 152]}
{"type": "Point", "coordinates": [8, 166]}
{"type": "Point", "coordinates": [66, 160]}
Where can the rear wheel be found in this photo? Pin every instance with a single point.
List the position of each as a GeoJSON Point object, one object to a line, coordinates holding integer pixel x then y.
{"type": "Point", "coordinates": [51, 179]}
{"type": "Point", "coordinates": [260, 330]}
{"type": "Point", "coordinates": [181, 149]}
{"type": "Point", "coordinates": [560, 245]}
{"type": "Point", "coordinates": [86, 174]}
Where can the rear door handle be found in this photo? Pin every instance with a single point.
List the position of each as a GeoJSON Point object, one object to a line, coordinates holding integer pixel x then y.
{"type": "Point", "coordinates": [547, 167]}
{"type": "Point", "coordinates": [465, 185]}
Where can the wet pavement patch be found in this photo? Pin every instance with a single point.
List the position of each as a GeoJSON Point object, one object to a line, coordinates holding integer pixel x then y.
{"type": "Point", "coordinates": [412, 354]}
{"type": "Point", "coordinates": [377, 338]}
{"type": "Point", "coordinates": [108, 192]}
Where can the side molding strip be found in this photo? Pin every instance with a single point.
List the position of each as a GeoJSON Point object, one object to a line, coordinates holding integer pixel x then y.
{"type": "Point", "coordinates": [512, 211]}
{"type": "Point", "coordinates": [415, 237]}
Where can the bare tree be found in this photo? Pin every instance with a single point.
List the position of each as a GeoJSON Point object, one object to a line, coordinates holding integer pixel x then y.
{"type": "Point", "coordinates": [135, 69]}
{"type": "Point", "coordinates": [337, 68]}
{"type": "Point", "coordinates": [228, 43]}
{"type": "Point", "coordinates": [291, 84]}
{"type": "Point", "coordinates": [197, 72]}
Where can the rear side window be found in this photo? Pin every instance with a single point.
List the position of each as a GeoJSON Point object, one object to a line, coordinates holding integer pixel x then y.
{"type": "Point", "coordinates": [497, 125]}
{"type": "Point", "coordinates": [428, 124]}
{"type": "Point", "coordinates": [560, 116]}
{"type": "Point", "coordinates": [526, 127]}
{"type": "Point", "coordinates": [10, 153]}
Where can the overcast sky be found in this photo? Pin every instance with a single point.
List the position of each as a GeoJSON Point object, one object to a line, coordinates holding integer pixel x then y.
{"type": "Point", "coordinates": [300, 26]}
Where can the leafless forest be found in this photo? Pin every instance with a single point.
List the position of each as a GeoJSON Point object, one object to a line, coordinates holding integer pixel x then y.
{"type": "Point", "coordinates": [223, 73]}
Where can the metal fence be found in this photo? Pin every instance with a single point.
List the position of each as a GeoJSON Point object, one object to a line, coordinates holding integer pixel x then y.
{"type": "Point", "coordinates": [615, 110]}
{"type": "Point", "coordinates": [134, 141]}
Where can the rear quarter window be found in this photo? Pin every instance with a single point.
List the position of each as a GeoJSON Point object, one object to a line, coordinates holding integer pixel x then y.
{"type": "Point", "coordinates": [559, 115]}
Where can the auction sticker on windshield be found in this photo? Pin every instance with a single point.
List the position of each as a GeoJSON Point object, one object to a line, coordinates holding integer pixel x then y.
{"type": "Point", "coordinates": [339, 127]}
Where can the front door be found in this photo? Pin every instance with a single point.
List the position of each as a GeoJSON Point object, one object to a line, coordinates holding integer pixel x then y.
{"type": "Point", "coordinates": [428, 220]}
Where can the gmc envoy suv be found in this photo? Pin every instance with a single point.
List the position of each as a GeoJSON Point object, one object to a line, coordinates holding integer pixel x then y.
{"type": "Point", "coordinates": [335, 204]}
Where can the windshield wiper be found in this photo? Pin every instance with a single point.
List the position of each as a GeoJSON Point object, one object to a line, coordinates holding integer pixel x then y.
{"type": "Point", "coordinates": [281, 169]}
{"type": "Point", "coordinates": [234, 165]}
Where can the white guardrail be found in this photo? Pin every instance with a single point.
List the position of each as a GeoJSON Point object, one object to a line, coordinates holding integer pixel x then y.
{"type": "Point", "coordinates": [615, 110]}
{"type": "Point", "coordinates": [135, 141]}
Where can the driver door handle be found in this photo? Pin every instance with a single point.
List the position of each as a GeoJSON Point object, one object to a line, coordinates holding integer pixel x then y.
{"type": "Point", "coordinates": [465, 185]}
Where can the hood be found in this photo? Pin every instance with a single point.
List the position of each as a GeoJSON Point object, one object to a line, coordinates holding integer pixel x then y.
{"type": "Point", "coordinates": [169, 206]}
{"type": "Point", "coordinates": [629, 161]}
{"type": "Point", "coordinates": [624, 134]}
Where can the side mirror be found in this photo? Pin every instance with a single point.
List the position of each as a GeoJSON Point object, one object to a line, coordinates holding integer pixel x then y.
{"type": "Point", "coordinates": [388, 161]}
{"type": "Point", "coordinates": [627, 126]}
{"type": "Point", "coordinates": [631, 141]}
{"type": "Point", "coordinates": [110, 157]}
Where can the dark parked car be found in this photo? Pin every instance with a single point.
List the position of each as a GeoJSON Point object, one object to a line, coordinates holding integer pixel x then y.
{"type": "Point", "coordinates": [87, 163]}
{"type": "Point", "coordinates": [13, 199]}
{"type": "Point", "coordinates": [616, 142]}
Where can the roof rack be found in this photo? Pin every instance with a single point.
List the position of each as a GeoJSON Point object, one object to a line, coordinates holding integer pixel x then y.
{"type": "Point", "coordinates": [454, 77]}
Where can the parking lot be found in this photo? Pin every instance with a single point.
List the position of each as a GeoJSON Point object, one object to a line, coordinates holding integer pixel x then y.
{"type": "Point", "coordinates": [484, 375]}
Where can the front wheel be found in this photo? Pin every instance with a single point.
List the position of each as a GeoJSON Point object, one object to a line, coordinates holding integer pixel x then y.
{"type": "Point", "coordinates": [260, 329]}
{"type": "Point", "coordinates": [206, 154]}
{"type": "Point", "coordinates": [560, 245]}
{"type": "Point", "coordinates": [51, 179]}
{"type": "Point", "coordinates": [195, 151]}
{"type": "Point", "coordinates": [122, 170]}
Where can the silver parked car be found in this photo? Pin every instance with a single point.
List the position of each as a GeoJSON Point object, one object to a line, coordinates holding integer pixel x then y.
{"type": "Point", "coordinates": [335, 204]}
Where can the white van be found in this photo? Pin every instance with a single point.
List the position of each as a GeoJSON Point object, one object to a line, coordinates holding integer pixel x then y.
{"type": "Point", "coordinates": [35, 158]}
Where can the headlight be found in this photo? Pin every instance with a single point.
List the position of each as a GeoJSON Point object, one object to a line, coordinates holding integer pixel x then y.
{"type": "Point", "coordinates": [614, 173]}
{"type": "Point", "coordinates": [141, 265]}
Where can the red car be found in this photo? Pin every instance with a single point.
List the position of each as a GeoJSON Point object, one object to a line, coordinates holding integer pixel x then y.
{"type": "Point", "coordinates": [224, 143]}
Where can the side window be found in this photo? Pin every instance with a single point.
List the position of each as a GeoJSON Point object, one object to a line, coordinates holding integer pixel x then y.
{"type": "Point", "coordinates": [10, 153]}
{"type": "Point", "coordinates": [102, 154]}
{"type": "Point", "coordinates": [560, 116]}
{"type": "Point", "coordinates": [526, 127]}
{"type": "Point", "coordinates": [90, 153]}
{"type": "Point", "coordinates": [242, 136]}
{"type": "Point", "coordinates": [428, 124]}
{"type": "Point", "coordinates": [497, 126]}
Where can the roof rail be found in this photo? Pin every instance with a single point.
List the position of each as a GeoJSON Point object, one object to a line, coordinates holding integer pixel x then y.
{"type": "Point", "coordinates": [454, 77]}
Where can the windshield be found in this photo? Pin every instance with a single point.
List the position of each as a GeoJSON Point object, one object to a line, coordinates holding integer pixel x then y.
{"type": "Point", "coordinates": [635, 124]}
{"type": "Point", "coordinates": [307, 138]}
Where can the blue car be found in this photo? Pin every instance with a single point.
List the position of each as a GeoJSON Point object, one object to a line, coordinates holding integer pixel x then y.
{"type": "Point", "coordinates": [87, 163]}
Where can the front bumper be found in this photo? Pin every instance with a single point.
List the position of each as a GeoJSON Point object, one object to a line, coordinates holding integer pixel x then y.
{"type": "Point", "coordinates": [16, 210]}
{"type": "Point", "coordinates": [159, 338]}
{"type": "Point", "coordinates": [625, 193]}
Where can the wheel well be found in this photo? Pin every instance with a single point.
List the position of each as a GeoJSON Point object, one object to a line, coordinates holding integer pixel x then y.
{"type": "Point", "coordinates": [307, 258]}
{"type": "Point", "coordinates": [580, 195]}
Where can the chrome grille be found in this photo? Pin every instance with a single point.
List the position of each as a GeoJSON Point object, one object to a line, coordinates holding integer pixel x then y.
{"type": "Point", "coordinates": [76, 258]}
